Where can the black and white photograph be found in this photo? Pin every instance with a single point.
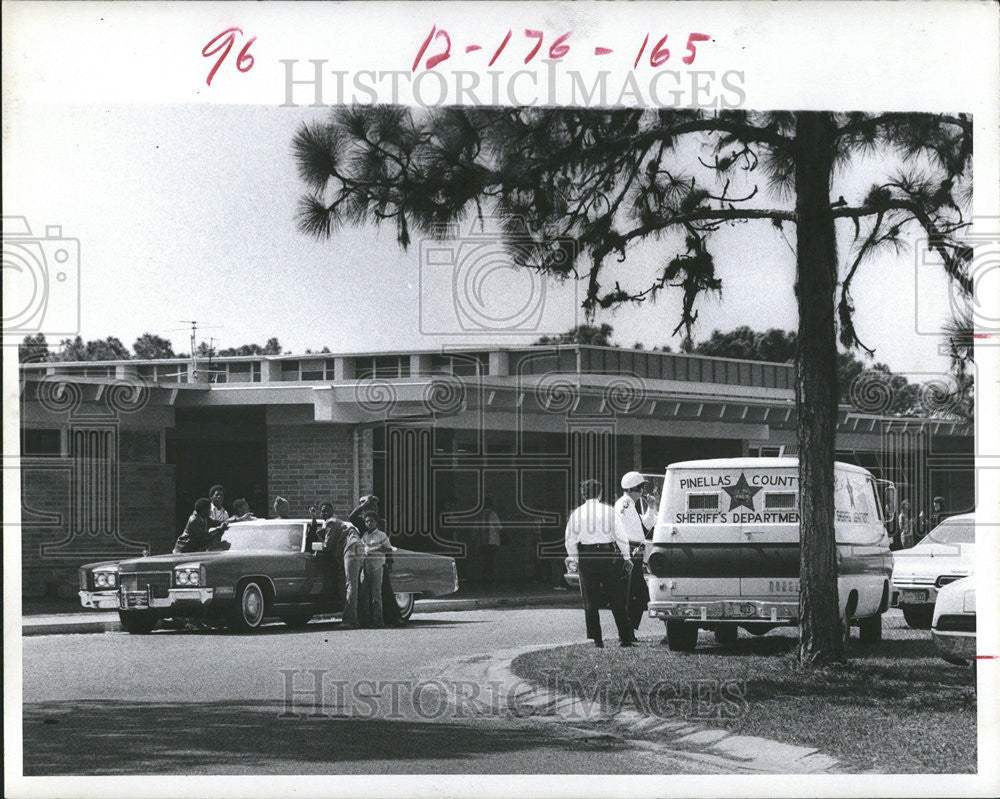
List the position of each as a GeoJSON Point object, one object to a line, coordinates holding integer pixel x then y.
{"type": "Point", "coordinates": [488, 399]}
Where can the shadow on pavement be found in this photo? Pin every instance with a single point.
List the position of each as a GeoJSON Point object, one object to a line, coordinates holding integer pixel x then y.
{"type": "Point", "coordinates": [221, 737]}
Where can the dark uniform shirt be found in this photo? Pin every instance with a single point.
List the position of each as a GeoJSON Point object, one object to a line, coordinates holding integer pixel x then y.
{"type": "Point", "coordinates": [195, 537]}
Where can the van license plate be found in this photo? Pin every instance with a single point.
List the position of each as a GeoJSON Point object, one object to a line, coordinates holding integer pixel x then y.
{"type": "Point", "coordinates": [913, 596]}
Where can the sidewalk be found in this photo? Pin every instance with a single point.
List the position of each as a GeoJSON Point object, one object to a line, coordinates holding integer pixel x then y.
{"type": "Point", "coordinates": [61, 616]}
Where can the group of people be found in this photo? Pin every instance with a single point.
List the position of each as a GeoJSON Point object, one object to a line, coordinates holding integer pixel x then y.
{"type": "Point", "coordinates": [906, 529]}
{"type": "Point", "coordinates": [352, 548]}
{"type": "Point", "coordinates": [606, 545]}
{"type": "Point", "coordinates": [356, 547]}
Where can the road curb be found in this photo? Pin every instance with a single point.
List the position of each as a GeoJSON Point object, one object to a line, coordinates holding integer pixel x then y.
{"type": "Point", "coordinates": [108, 622]}
{"type": "Point", "coordinates": [507, 694]}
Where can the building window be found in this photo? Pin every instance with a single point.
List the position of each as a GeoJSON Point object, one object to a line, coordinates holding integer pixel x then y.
{"type": "Point", "coordinates": [461, 364]}
{"type": "Point", "coordinates": [41, 443]}
{"type": "Point", "coordinates": [382, 367]}
{"type": "Point", "coordinates": [703, 501]}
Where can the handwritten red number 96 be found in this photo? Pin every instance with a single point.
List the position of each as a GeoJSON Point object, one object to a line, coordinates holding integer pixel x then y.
{"type": "Point", "coordinates": [244, 61]}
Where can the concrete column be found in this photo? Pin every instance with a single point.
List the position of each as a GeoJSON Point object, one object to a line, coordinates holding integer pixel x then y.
{"type": "Point", "coordinates": [420, 365]}
{"type": "Point", "coordinates": [499, 363]}
{"type": "Point", "coordinates": [343, 369]}
{"type": "Point", "coordinates": [270, 371]}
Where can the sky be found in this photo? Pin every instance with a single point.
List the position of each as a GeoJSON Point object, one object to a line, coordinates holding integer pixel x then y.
{"type": "Point", "coordinates": [187, 212]}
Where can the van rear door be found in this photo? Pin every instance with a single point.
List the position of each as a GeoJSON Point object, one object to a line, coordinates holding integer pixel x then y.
{"type": "Point", "coordinates": [769, 521]}
{"type": "Point", "coordinates": [701, 543]}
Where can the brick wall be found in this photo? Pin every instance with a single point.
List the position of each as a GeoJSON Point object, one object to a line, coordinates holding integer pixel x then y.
{"type": "Point", "coordinates": [51, 553]}
{"type": "Point", "coordinates": [310, 463]}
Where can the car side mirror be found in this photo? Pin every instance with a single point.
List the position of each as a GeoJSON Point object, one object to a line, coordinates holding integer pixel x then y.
{"type": "Point", "coordinates": [317, 546]}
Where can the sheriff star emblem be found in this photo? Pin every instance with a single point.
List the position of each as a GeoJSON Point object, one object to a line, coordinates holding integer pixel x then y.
{"type": "Point", "coordinates": [741, 494]}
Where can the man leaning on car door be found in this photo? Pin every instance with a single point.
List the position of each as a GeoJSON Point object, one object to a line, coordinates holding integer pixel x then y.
{"type": "Point", "coordinates": [197, 535]}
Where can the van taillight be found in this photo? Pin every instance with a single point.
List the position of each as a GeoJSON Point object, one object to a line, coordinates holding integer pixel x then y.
{"type": "Point", "coordinates": [658, 564]}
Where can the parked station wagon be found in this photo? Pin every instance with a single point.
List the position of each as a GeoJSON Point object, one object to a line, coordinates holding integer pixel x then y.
{"type": "Point", "coordinates": [256, 570]}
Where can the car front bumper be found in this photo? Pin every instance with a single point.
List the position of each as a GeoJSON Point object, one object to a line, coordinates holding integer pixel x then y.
{"type": "Point", "coordinates": [100, 600]}
{"type": "Point", "coordinates": [179, 598]}
{"type": "Point", "coordinates": [728, 610]}
{"type": "Point", "coordinates": [955, 646]}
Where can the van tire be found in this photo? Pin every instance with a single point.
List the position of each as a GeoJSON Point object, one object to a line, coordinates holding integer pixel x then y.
{"type": "Point", "coordinates": [681, 636]}
{"type": "Point", "coordinates": [726, 634]}
{"type": "Point", "coordinates": [918, 617]}
{"type": "Point", "coordinates": [870, 630]}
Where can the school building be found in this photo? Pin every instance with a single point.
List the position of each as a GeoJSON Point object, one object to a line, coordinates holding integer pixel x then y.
{"type": "Point", "coordinates": [114, 454]}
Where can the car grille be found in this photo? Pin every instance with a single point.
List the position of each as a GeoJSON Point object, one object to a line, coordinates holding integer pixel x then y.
{"type": "Point", "coordinates": [964, 623]}
{"type": "Point", "coordinates": [158, 582]}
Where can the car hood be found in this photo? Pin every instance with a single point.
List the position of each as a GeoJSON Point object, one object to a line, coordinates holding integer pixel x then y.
{"type": "Point", "coordinates": [99, 564]}
{"type": "Point", "coordinates": [161, 562]}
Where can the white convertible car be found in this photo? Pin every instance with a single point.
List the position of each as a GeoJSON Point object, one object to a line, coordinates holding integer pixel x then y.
{"type": "Point", "coordinates": [945, 555]}
{"type": "Point", "coordinates": [954, 624]}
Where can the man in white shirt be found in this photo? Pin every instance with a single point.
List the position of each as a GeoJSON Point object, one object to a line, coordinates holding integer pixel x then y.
{"type": "Point", "coordinates": [217, 513]}
{"type": "Point", "coordinates": [596, 543]}
{"type": "Point", "coordinates": [636, 514]}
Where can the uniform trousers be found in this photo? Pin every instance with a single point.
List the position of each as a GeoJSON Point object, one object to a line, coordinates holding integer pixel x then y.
{"type": "Point", "coordinates": [601, 572]}
{"type": "Point", "coordinates": [637, 590]}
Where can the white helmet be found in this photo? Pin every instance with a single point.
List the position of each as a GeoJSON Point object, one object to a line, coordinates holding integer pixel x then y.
{"type": "Point", "coordinates": [632, 480]}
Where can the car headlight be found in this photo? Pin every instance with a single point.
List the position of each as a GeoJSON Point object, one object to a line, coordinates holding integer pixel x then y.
{"type": "Point", "coordinates": [187, 575]}
{"type": "Point", "coordinates": [105, 579]}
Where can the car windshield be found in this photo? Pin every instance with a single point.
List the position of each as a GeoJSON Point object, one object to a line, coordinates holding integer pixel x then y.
{"type": "Point", "coordinates": [247, 535]}
{"type": "Point", "coordinates": [952, 531]}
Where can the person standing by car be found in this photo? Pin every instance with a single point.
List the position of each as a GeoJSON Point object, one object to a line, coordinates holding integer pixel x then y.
{"type": "Point", "coordinates": [596, 543]}
{"type": "Point", "coordinates": [217, 513]}
{"type": "Point", "coordinates": [390, 610]}
{"type": "Point", "coordinates": [904, 524]}
{"type": "Point", "coordinates": [343, 547]}
{"type": "Point", "coordinates": [377, 546]}
{"type": "Point", "coordinates": [490, 528]}
{"type": "Point", "coordinates": [281, 509]}
{"type": "Point", "coordinates": [197, 534]}
{"type": "Point", "coordinates": [635, 511]}
{"type": "Point", "coordinates": [242, 510]}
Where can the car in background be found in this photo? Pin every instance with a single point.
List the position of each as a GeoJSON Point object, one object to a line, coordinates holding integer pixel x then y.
{"type": "Point", "coordinates": [945, 555]}
{"type": "Point", "coordinates": [257, 570]}
{"type": "Point", "coordinates": [953, 626]}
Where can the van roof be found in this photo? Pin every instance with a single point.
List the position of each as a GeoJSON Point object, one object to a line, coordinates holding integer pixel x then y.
{"type": "Point", "coordinates": [756, 463]}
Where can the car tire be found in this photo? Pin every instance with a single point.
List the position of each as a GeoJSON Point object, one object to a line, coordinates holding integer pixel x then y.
{"type": "Point", "coordinates": [870, 630]}
{"type": "Point", "coordinates": [137, 622]}
{"type": "Point", "coordinates": [298, 619]}
{"type": "Point", "coordinates": [405, 603]}
{"type": "Point", "coordinates": [251, 604]}
{"type": "Point", "coordinates": [758, 629]}
{"type": "Point", "coordinates": [919, 618]}
{"type": "Point", "coordinates": [726, 634]}
{"type": "Point", "coordinates": [681, 636]}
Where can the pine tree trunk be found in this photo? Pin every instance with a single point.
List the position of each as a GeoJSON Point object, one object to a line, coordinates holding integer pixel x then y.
{"type": "Point", "coordinates": [821, 637]}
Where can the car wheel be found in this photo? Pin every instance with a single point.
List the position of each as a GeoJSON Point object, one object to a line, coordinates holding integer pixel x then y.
{"type": "Point", "coordinates": [251, 602]}
{"type": "Point", "coordinates": [297, 619]}
{"type": "Point", "coordinates": [681, 636]}
{"type": "Point", "coordinates": [919, 618]}
{"type": "Point", "coordinates": [726, 634]}
{"type": "Point", "coordinates": [870, 630]}
{"type": "Point", "coordinates": [405, 603]}
{"type": "Point", "coordinates": [137, 622]}
{"type": "Point", "coordinates": [758, 629]}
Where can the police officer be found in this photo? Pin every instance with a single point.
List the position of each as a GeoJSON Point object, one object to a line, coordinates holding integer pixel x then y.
{"type": "Point", "coordinates": [597, 545]}
{"type": "Point", "coordinates": [635, 511]}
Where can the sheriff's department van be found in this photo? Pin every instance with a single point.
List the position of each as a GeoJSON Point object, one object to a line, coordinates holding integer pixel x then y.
{"type": "Point", "coordinates": [725, 551]}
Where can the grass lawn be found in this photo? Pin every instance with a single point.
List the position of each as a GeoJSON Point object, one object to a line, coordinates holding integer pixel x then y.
{"type": "Point", "coordinates": [894, 708]}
